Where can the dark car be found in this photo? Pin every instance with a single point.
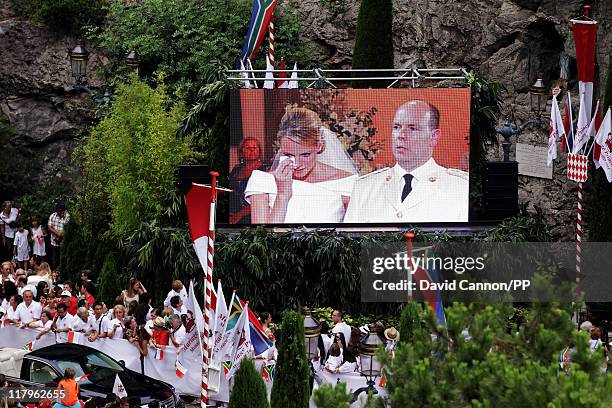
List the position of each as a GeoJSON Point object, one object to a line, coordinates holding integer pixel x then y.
{"type": "Point", "coordinates": [46, 366]}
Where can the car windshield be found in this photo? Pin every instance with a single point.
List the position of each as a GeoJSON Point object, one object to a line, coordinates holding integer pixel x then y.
{"type": "Point", "coordinates": [95, 365]}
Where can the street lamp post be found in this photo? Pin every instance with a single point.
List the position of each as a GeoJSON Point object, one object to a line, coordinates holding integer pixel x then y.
{"type": "Point", "coordinates": [538, 94]}
{"type": "Point", "coordinates": [370, 365]}
{"type": "Point", "coordinates": [78, 63]}
{"type": "Point", "coordinates": [131, 60]}
{"type": "Point", "coordinates": [312, 330]}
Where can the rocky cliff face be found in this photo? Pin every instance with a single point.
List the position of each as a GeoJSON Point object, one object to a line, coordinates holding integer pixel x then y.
{"type": "Point", "coordinates": [506, 41]}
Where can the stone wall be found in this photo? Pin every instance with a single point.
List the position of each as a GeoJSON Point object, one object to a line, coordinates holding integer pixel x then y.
{"type": "Point", "coordinates": [506, 41]}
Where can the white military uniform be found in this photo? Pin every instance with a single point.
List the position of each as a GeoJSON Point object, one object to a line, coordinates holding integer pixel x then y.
{"type": "Point", "coordinates": [438, 195]}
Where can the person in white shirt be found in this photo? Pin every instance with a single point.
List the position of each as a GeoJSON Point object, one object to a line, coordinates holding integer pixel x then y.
{"type": "Point", "coordinates": [115, 326]}
{"type": "Point", "coordinates": [335, 358]}
{"type": "Point", "coordinates": [44, 324]}
{"type": "Point", "coordinates": [178, 289]}
{"type": "Point", "coordinates": [28, 310]}
{"type": "Point", "coordinates": [37, 236]}
{"type": "Point", "coordinates": [7, 272]}
{"type": "Point", "coordinates": [62, 323]}
{"type": "Point", "coordinates": [100, 322]}
{"type": "Point", "coordinates": [177, 330]}
{"type": "Point", "coordinates": [83, 322]}
{"type": "Point", "coordinates": [11, 311]}
{"type": "Point", "coordinates": [21, 246]}
{"type": "Point", "coordinates": [8, 218]}
{"type": "Point", "coordinates": [340, 325]}
{"type": "Point", "coordinates": [178, 308]}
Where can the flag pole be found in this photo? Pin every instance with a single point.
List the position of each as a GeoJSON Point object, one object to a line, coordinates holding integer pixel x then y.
{"type": "Point", "coordinates": [409, 236]}
{"type": "Point", "coordinates": [271, 39]}
{"type": "Point", "coordinates": [207, 291]}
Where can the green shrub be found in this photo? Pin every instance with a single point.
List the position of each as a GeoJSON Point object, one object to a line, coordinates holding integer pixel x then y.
{"type": "Point", "coordinates": [410, 322]}
{"type": "Point", "coordinates": [65, 16]}
{"type": "Point", "coordinates": [373, 41]}
{"type": "Point", "coordinates": [292, 372]}
{"type": "Point", "coordinates": [249, 390]}
{"type": "Point", "coordinates": [328, 396]}
{"type": "Point", "coordinates": [111, 280]}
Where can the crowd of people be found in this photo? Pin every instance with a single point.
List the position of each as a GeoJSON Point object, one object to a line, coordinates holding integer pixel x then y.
{"type": "Point", "coordinates": [39, 298]}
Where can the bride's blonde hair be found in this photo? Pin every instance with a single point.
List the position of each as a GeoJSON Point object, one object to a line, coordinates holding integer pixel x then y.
{"type": "Point", "coordinates": [301, 125]}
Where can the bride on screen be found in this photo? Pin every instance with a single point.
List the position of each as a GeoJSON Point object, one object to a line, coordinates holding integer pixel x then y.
{"type": "Point", "coordinates": [311, 179]}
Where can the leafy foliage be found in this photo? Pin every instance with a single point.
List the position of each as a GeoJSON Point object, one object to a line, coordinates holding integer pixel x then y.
{"type": "Point", "coordinates": [328, 396]}
{"type": "Point", "coordinates": [64, 16]}
{"type": "Point", "coordinates": [483, 360]}
{"type": "Point", "coordinates": [409, 322]}
{"type": "Point", "coordinates": [187, 38]}
{"type": "Point", "coordinates": [129, 158]}
{"type": "Point", "coordinates": [525, 227]}
{"type": "Point", "coordinates": [598, 196]}
{"type": "Point", "coordinates": [291, 387]}
{"type": "Point", "coordinates": [111, 280]}
{"type": "Point", "coordinates": [373, 40]}
{"type": "Point", "coordinates": [249, 390]}
{"type": "Point", "coordinates": [158, 254]}
{"type": "Point", "coordinates": [484, 110]}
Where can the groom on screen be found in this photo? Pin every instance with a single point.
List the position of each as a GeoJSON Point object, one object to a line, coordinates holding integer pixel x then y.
{"type": "Point", "coordinates": [416, 189]}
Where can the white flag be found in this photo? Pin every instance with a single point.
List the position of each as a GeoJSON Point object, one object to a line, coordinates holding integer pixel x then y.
{"type": "Point", "coordinates": [118, 388]}
{"type": "Point", "coordinates": [269, 83]}
{"type": "Point", "coordinates": [604, 139]}
{"type": "Point", "coordinates": [242, 347]}
{"type": "Point", "coordinates": [556, 130]}
{"type": "Point", "coordinates": [223, 345]}
{"type": "Point", "coordinates": [293, 83]}
{"type": "Point", "coordinates": [252, 74]}
{"type": "Point", "coordinates": [584, 128]}
{"type": "Point", "coordinates": [221, 316]}
{"type": "Point", "coordinates": [245, 76]}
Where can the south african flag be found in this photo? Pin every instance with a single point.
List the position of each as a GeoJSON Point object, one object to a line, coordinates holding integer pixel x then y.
{"type": "Point", "coordinates": [227, 366]}
{"type": "Point", "coordinates": [260, 20]}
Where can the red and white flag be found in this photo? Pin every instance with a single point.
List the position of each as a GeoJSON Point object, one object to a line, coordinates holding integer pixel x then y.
{"type": "Point", "coordinates": [585, 128]}
{"type": "Point", "coordinates": [75, 337]}
{"type": "Point", "coordinates": [180, 369]}
{"type": "Point", "coordinates": [118, 388]}
{"type": "Point", "coordinates": [81, 378]}
{"type": "Point", "coordinates": [221, 317]}
{"type": "Point", "coordinates": [556, 130]}
{"type": "Point", "coordinates": [282, 77]}
{"type": "Point", "coordinates": [604, 139]}
{"type": "Point", "coordinates": [585, 35]}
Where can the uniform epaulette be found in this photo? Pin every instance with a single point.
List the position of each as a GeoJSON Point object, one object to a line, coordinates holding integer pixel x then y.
{"type": "Point", "coordinates": [374, 172]}
{"type": "Point", "coordinates": [458, 173]}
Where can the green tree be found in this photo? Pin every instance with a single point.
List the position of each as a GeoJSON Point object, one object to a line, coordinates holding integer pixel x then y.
{"type": "Point", "coordinates": [598, 195]}
{"type": "Point", "coordinates": [187, 39]}
{"type": "Point", "coordinates": [111, 284]}
{"type": "Point", "coordinates": [483, 360]}
{"type": "Point", "coordinates": [373, 40]}
{"type": "Point", "coordinates": [64, 16]}
{"type": "Point", "coordinates": [328, 396]}
{"type": "Point", "coordinates": [129, 160]}
{"type": "Point", "coordinates": [292, 372]}
{"type": "Point", "coordinates": [410, 322]}
{"type": "Point", "coordinates": [249, 390]}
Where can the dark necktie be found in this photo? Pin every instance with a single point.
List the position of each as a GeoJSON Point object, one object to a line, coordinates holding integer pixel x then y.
{"type": "Point", "coordinates": [407, 186]}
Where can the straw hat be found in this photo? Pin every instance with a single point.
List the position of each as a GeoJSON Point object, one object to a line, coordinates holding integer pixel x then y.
{"type": "Point", "coordinates": [392, 334]}
{"type": "Point", "coordinates": [159, 322]}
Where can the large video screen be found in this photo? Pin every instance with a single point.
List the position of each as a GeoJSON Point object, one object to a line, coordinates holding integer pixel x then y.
{"type": "Point", "coordinates": [349, 156]}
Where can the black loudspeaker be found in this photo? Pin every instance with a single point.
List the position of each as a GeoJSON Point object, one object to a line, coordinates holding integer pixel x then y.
{"type": "Point", "coordinates": [500, 188]}
{"type": "Point", "coordinates": [185, 175]}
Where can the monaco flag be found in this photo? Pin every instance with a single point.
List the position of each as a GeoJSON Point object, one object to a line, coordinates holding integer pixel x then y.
{"type": "Point", "coordinates": [221, 317]}
{"type": "Point", "coordinates": [585, 128]}
{"type": "Point", "coordinates": [604, 139]}
{"type": "Point", "coordinates": [556, 130]}
{"type": "Point", "coordinates": [199, 202]}
{"type": "Point", "coordinates": [585, 34]}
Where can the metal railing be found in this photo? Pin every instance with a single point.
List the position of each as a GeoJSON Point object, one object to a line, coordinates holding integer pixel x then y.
{"type": "Point", "coordinates": [324, 78]}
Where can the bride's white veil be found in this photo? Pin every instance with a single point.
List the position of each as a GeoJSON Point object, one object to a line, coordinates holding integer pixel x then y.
{"type": "Point", "coordinates": [335, 154]}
